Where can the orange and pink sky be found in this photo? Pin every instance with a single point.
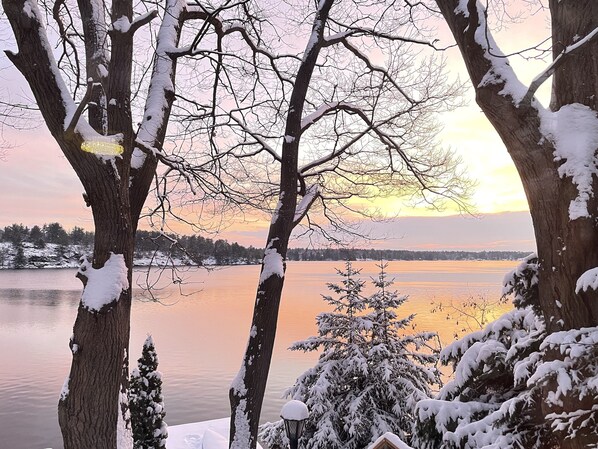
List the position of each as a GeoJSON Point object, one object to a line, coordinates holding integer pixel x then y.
{"type": "Point", "coordinates": [37, 185]}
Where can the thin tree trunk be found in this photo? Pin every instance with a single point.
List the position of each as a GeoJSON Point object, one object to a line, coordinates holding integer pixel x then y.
{"type": "Point", "coordinates": [247, 391]}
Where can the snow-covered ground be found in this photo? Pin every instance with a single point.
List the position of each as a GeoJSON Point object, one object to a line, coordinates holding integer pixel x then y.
{"type": "Point", "coordinates": [211, 434]}
{"type": "Point", "coordinates": [51, 256]}
{"type": "Point", "coordinates": [68, 256]}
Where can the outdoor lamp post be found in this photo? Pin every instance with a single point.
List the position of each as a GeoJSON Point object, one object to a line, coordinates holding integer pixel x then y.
{"type": "Point", "coordinates": [294, 413]}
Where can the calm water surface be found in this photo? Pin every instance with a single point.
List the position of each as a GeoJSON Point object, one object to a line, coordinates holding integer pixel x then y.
{"type": "Point", "coordinates": [200, 336]}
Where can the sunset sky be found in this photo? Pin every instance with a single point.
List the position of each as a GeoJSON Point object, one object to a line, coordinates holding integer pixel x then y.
{"type": "Point", "coordinates": [37, 185]}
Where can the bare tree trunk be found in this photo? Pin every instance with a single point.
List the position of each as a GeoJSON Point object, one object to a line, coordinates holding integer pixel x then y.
{"type": "Point", "coordinates": [247, 391]}
{"type": "Point", "coordinates": [93, 397]}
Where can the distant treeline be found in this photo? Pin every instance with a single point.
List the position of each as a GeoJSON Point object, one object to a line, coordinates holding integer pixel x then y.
{"type": "Point", "coordinates": [199, 249]}
{"type": "Point", "coordinates": [195, 248]}
{"type": "Point", "coordinates": [48, 233]}
{"type": "Point", "coordinates": [399, 254]}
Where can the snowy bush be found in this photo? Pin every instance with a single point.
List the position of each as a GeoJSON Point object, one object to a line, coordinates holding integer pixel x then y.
{"type": "Point", "coordinates": [368, 376]}
{"type": "Point", "coordinates": [515, 386]}
{"type": "Point", "coordinates": [146, 402]}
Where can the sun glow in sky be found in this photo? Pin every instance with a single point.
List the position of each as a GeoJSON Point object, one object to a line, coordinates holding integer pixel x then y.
{"type": "Point", "coordinates": [37, 185]}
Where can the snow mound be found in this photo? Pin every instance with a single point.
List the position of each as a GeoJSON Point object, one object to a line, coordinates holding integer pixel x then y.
{"type": "Point", "coordinates": [212, 434]}
{"type": "Point", "coordinates": [294, 410]}
{"type": "Point", "coordinates": [104, 285]}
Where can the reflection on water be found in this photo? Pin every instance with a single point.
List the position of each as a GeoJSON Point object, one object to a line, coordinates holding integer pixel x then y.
{"type": "Point", "coordinates": [199, 338]}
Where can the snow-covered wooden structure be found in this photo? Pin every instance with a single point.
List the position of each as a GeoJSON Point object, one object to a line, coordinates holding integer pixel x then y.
{"type": "Point", "coordinates": [389, 441]}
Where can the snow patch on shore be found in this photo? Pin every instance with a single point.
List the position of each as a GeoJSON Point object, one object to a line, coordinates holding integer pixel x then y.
{"type": "Point", "coordinates": [213, 434]}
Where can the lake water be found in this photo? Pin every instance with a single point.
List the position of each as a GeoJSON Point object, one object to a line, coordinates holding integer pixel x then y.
{"type": "Point", "coordinates": [199, 336]}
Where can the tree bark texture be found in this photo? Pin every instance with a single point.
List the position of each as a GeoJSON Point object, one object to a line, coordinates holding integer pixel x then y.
{"type": "Point", "coordinates": [566, 247]}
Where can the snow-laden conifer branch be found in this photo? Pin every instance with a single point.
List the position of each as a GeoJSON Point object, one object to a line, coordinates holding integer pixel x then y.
{"type": "Point", "coordinates": [554, 65]}
{"type": "Point", "coordinates": [588, 280]}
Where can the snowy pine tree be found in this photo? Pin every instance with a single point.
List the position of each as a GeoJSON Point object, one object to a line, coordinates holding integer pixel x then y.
{"type": "Point", "coordinates": [367, 374]}
{"type": "Point", "coordinates": [146, 401]}
{"type": "Point", "coordinates": [502, 381]}
{"type": "Point", "coordinates": [401, 365]}
{"type": "Point", "coordinates": [20, 260]}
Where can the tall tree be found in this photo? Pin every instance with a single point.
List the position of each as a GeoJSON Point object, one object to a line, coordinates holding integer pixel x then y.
{"type": "Point", "coordinates": [351, 116]}
{"type": "Point", "coordinates": [15, 233]}
{"type": "Point", "coordinates": [55, 233]}
{"type": "Point", "coordinates": [554, 151]}
{"type": "Point", "coordinates": [115, 164]}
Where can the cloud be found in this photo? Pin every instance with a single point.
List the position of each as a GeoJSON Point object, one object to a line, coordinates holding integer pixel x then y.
{"type": "Point", "coordinates": [511, 231]}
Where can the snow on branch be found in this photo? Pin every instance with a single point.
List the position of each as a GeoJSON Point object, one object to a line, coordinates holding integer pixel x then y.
{"type": "Point", "coordinates": [310, 119]}
{"type": "Point", "coordinates": [311, 195]}
{"type": "Point", "coordinates": [66, 117]}
{"type": "Point", "coordinates": [316, 34]}
{"type": "Point", "coordinates": [123, 25]}
{"type": "Point", "coordinates": [554, 65]}
{"type": "Point", "coordinates": [74, 118]}
{"type": "Point", "coordinates": [33, 19]}
{"type": "Point", "coordinates": [176, 163]}
{"type": "Point", "coordinates": [500, 71]}
{"type": "Point", "coordinates": [259, 139]}
{"type": "Point", "coordinates": [161, 89]}
{"type": "Point", "coordinates": [369, 32]}
{"type": "Point", "coordinates": [363, 57]}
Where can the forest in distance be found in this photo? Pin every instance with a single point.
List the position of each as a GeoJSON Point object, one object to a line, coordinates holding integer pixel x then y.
{"type": "Point", "coordinates": [53, 243]}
